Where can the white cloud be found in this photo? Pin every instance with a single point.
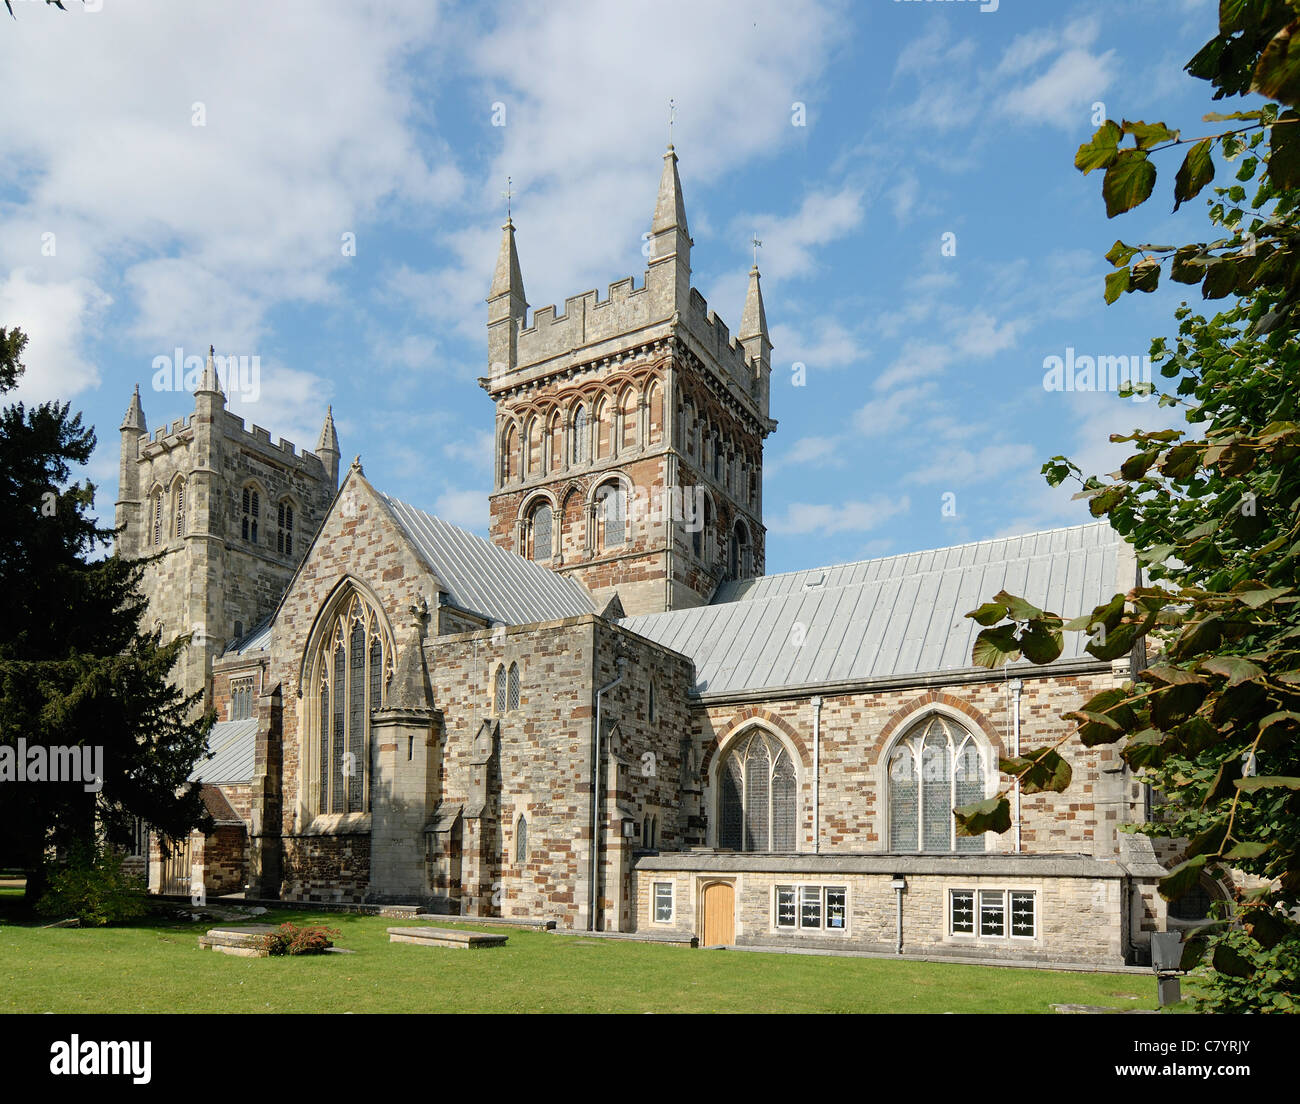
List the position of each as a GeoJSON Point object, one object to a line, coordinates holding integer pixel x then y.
{"type": "Point", "coordinates": [468, 509]}
{"type": "Point", "coordinates": [790, 243]}
{"type": "Point", "coordinates": [56, 317]}
{"type": "Point", "coordinates": [806, 518]}
{"type": "Point", "coordinates": [1064, 94]}
{"type": "Point", "coordinates": [824, 452]}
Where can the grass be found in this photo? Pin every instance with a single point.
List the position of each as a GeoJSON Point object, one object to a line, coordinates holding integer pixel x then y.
{"type": "Point", "coordinates": [156, 966]}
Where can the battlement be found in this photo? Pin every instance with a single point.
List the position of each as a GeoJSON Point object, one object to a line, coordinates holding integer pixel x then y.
{"type": "Point", "coordinates": [169, 435]}
{"type": "Point", "coordinates": [285, 452]}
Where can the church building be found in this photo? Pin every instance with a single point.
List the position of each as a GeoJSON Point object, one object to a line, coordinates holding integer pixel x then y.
{"type": "Point", "coordinates": [608, 714]}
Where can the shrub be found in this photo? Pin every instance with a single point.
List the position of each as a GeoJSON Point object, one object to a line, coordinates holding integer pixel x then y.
{"type": "Point", "coordinates": [289, 939]}
{"type": "Point", "coordinates": [95, 890]}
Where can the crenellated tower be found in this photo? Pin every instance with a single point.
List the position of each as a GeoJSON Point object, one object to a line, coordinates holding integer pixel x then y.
{"type": "Point", "coordinates": [630, 429]}
{"type": "Point", "coordinates": [228, 513]}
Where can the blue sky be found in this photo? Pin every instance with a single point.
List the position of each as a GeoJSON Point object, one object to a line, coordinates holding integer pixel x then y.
{"type": "Point", "coordinates": [318, 120]}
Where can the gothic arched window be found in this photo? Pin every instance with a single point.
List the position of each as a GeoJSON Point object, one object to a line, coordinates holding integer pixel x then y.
{"type": "Point", "coordinates": [284, 528]}
{"type": "Point", "coordinates": [156, 512]}
{"type": "Point", "coordinates": [350, 670]}
{"type": "Point", "coordinates": [178, 508]}
{"type": "Point", "coordinates": [250, 509]}
{"type": "Point", "coordinates": [758, 799]}
{"type": "Point", "coordinates": [521, 841]}
{"type": "Point", "coordinates": [935, 767]}
{"type": "Point", "coordinates": [499, 691]}
{"type": "Point", "coordinates": [512, 688]}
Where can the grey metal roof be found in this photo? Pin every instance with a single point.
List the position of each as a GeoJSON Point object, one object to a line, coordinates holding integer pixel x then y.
{"type": "Point", "coordinates": [257, 639]}
{"type": "Point", "coordinates": [487, 580]}
{"type": "Point", "coordinates": [884, 618]}
{"type": "Point", "coordinates": [232, 743]}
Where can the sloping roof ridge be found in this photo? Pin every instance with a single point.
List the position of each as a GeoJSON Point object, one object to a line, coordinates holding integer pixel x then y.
{"type": "Point", "coordinates": [917, 552]}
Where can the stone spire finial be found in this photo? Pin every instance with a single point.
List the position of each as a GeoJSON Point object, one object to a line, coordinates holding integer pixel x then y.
{"type": "Point", "coordinates": [329, 440]}
{"type": "Point", "coordinates": [753, 322]}
{"type": "Point", "coordinates": [670, 207]}
{"type": "Point", "coordinates": [507, 279]}
{"type": "Point", "coordinates": [134, 418]}
{"type": "Point", "coordinates": [210, 381]}
{"type": "Point", "coordinates": [356, 465]}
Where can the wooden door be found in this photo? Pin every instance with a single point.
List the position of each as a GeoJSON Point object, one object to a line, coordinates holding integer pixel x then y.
{"type": "Point", "coordinates": [719, 915]}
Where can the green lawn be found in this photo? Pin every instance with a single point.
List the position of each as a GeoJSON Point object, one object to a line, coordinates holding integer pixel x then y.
{"type": "Point", "coordinates": [156, 966]}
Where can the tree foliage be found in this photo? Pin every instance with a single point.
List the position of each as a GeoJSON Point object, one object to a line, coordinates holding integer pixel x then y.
{"type": "Point", "coordinates": [1212, 512]}
{"type": "Point", "coordinates": [76, 670]}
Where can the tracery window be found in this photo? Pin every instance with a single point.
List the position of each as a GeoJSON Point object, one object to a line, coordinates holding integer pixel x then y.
{"type": "Point", "coordinates": [935, 767]}
{"type": "Point", "coordinates": [241, 698]}
{"type": "Point", "coordinates": [284, 528]}
{"type": "Point", "coordinates": [758, 802]}
{"type": "Point", "coordinates": [352, 665]}
{"type": "Point", "coordinates": [249, 513]}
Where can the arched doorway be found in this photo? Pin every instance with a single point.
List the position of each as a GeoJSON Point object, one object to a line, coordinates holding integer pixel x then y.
{"type": "Point", "coordinates": [719, 915]}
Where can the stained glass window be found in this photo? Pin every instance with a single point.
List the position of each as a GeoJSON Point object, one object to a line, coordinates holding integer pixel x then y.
{"type": "Point", "coordinates": [758, 799]}
{"type": "Point", "coordinates": [934, 768]}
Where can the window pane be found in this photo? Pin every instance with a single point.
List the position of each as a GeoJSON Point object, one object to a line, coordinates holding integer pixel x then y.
{"type": "Point", "coordinates": [992, 913]}
{"type": "Point", "coordinates": [783, 804]}
{"type": "Point", "coordinates": [542, 533]}
{"type": "Point", "coordinates": [968, 787]}
{"type": "Point", "coordinates": [810, 906]}
{"type": "Point", "coordinates": [501, 689]}
{"type": "Point", "coordinates": [936, 791]}
{"type": "Point", "coordinates": [356, 716]}
{"type": "Point", "coordinates": [663, 901]}
{"type": "Point", "coordinates": [902, 801]}
{"type": "Point", "coordinates": [757, 781]}
{"type": "Point", "coordinates": [323, 773]}
{"type": "Point", "coordinates": [335, 761]}
{"type": "Point", "coordinates": [731, 832]}
{"type": "Point", "coordinates": [1022, 914]}
{"type": "Point", "coordinates": [835, 907]}
{"type": "Point", "coordinates": [512, 693]}
{"type": "Point", "coordinates": [963, 912]}
{"type": "Point", "coordinates": [785, 906]}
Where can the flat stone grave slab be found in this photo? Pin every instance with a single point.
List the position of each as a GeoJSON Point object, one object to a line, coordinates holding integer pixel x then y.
{"type": "Point", "coordinates": [245, 940]}
{"type": "Point", "coordinates": [447, 937]}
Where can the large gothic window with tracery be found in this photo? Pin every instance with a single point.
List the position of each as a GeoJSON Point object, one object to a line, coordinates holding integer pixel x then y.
{"type": "Point", "coordinates": [352, 666]}
{"type": "Point", "coordinates": [759, 796]}
{"type": "Point", "coordinates": [935, 767]}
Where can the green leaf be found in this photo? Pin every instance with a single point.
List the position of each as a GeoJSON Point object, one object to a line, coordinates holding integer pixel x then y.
{"type": "Point", "coordinates": [1116, 284]}
{"type": "Point", "coordinates": [1045, 771]}
{"type": "Point", "coordinates": [992, 815]}
{"type": "Point", "coordinates": [1149, 134]}
{"type": "Point", "coordinates": [1042, 641]}
{"type": "Point", "coordinates": [995, 647]}
{"type": "Point", "coordinates": [1146, 275]}
{"type": "Point", "coordinates": [1121, 254]}
{"type": "Point", "coordinates": [1230, 962]}
{"type": "Point", "coordinates": [1261, 596]}
{"type": "Point", "coordinates": [1277, 73]}
{"type": "Point", "coordinates": [1247, 850]}
{"type": "Point", "coordinates": [1235, 669]}
{"type": "Point", "coordinates": [1128, 181]}
{"type": "Point", "coordinates": [1183, 877]}
{"type": "Point", "coordinates": [1174, 676]}
{"type": "Point", "coordinates": [1101, 151]}
{"type": "Point", "coordinates": [1197, 170]}
{"type": "Point", "coordinates": [1267, 782]}
{"type": "Point", "coordinates": [1017, 608]}
{"type": "Point", "coordinates": [1119, 641]}
{"type": "Point", "coordinates": [1284, 151]}
{"type": "Point", "coordinates": [990, 613]}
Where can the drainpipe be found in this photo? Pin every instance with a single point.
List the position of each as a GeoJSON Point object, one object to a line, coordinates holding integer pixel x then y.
{"type": "Point", "coordinates": [1016, 685]}
{"type": "Point", "coordinates": [595, 799]}
{"type": "Point", "coordinates": [817, 775]}
{"type": "Point", "coordinates": [899, 884]}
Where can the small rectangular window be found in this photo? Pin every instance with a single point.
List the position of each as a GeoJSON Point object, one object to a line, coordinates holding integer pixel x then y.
{"type": "Point", "coordinates": [1022, 915]}
{"type": "Point", "coordinates": [663, 901]}
{"type": "Point", "coordinates": [993, 913]}
{"type": "Point", "coordinates": [810, 906]}
{"type": "Point", "coordinates": [962, 912]}
{"type": "Point", "coordinates": [241, 699]}
{"type": "Point", "coordinates": [786, 907]}
{"type": "Point", "coordinates": [835, 908]}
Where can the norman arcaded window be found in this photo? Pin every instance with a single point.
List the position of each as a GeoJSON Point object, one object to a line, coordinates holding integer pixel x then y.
{"type": "Point", "coordinates": [611, 515]}
{"type": "Point", "coordinates": [250, 509]}
{"type": "Point", "coordinates": [350, 669]}
{"type": "Point", "coordinates": [757, 805]}
{"type": "Point", "coordinates": [935, 767]}
{"type": "Point", "coordinates": [580, 435]}
{"type": "Point", "coordinates": [539, 532]}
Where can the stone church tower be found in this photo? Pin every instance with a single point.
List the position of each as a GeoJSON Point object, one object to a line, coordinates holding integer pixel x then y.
{"type": "Point", "coordinates": [229, 514]}
{"type": "Point", "coordinates": [629, 430]}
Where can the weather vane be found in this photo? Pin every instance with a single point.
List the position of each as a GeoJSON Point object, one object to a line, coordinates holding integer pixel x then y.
{"type": "Point", "coordinates": [757, 246]}
{"type": "Point", "coordinates": [507, 195]}
{"type": "Point", "coordinates": [672, 115]}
